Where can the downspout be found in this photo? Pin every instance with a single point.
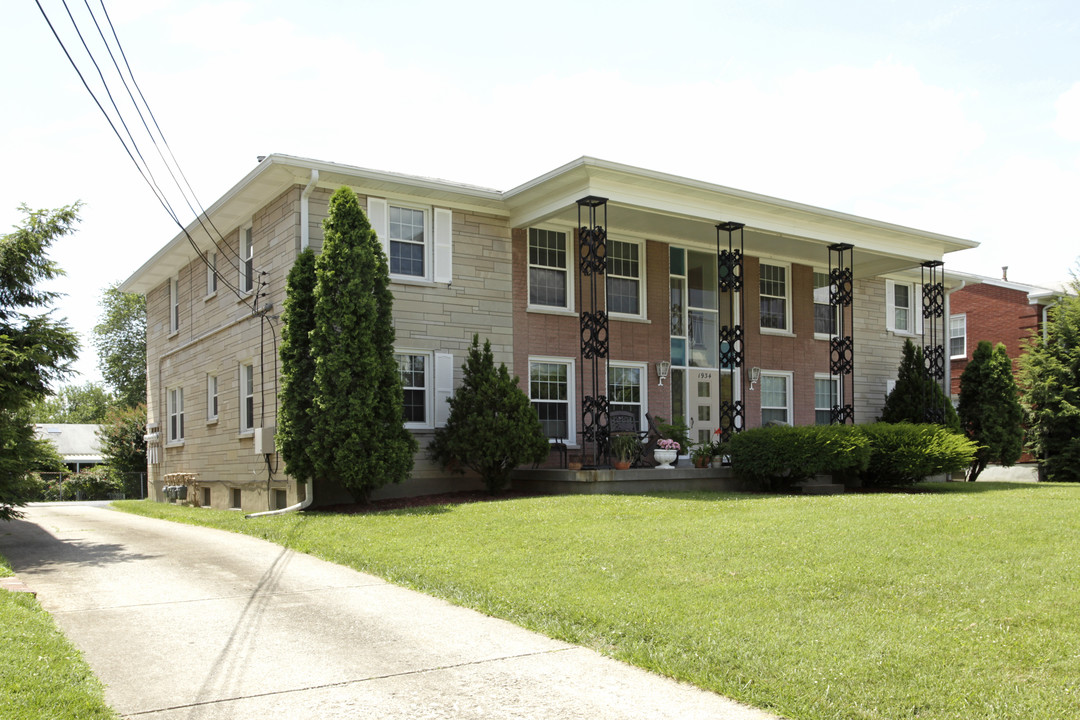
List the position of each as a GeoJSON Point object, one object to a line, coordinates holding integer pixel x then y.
{"type": "Point", "coordinates": [305, 231]}
{"type": "Point", "coordinates": [305, 240]}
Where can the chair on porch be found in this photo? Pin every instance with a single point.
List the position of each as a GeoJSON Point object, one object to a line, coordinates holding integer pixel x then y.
{"type": "Point", "coordinates": [623, 422]}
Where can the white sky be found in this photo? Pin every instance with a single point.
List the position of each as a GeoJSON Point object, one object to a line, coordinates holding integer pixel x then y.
{"type": "Point", "coordinates": [955, 117]}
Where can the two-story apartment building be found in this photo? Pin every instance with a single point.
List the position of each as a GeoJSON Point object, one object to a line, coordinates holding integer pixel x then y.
{"type": "Point", "coordinates": [677, 335]}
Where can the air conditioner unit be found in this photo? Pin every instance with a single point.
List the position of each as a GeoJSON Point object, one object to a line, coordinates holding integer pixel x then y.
{"type": "Point", "coordinates": [264, 440]}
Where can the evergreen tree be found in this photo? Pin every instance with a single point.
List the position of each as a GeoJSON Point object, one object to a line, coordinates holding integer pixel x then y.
{"type": "Point", "coordinates": [1050, 378]}
{"type": "Point", "coordinates": [916, 391]}
{"type": "Point", "coordinates": [493, 427]}
{"type": "Point", "coordinates": [296, 421]}
{"type": "Point", "coordinates": [360, 441]}
{"type": "Point", "coordinates": [989, 408]}
{"type": "Point", "coordinates": [35, 349]}
{"type": "Point", "coordinates": [120, 340]}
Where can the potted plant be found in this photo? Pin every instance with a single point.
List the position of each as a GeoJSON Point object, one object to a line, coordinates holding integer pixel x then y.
{"type": "Point", "coordinates": [666, 452]}
{"type": "Point", "coordinates": [702, 455]}
{"type": "Point", "coordinates": [625, 448]}
{"type": "Point", "coordinates": [675, 431]}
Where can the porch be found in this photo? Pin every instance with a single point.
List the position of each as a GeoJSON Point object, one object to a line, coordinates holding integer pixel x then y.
{"type": "Point", "coordinates": [640, 481]}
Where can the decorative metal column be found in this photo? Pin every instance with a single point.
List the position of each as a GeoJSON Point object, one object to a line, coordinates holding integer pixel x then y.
{"type": "Point", "coordinates": [592, 262]}
{"type": "Point", "coordinates": [731, 345]}
{"type": "Point", "coordinates": [934, 320]}
{"type": "Point", "coordinates": [842, 345]}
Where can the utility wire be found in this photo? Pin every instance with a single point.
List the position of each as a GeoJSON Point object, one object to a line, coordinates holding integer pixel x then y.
{"type": "Point", "coordinates": [143, 168]}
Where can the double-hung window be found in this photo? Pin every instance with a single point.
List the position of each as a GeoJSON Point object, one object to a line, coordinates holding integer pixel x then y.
{"type": "Point", "coordinates": [902, 311]}
{"type": "Point", "coordinates": [551, 393]}
{"type": "Point", "coordinates": [418, 241]}
{"type": "Point", "coordinates": [247, 398]}
{"type": "Point", "coordinates": [825, 314]}
{"type": "Point", "coordinates": [247, 260]}
{"type": "Point", "coordinates": [408, 241]}
{"type": "Point", "coordinates": [958, 336]}
{"type": "Point", "coordinates": [174, 305]}
{"type": "Point", "coordinates": [826, 396]}
{"type": "Point", "coordinates": [773, 285]}
{"type": "Point", "coordinates": [624, 263]}
{"type": "Point", "coordinates": [211, 398]}
{"type": "Point", "coordinates": [175, 412]}
{"type": "Point", "coordinates": [415, 372]}
{"type": "Point", "coordinates": [549, 278]}
{"type": "Point", "coordinates": [776, 397]}
{"type": "Point", "coordinates": [427, 382]}
{"type": "Point", "coordinates": [626, 389]}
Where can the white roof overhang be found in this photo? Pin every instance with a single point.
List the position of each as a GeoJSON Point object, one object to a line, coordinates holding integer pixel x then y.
{"type": "Point", "coordinates": [658, 206]}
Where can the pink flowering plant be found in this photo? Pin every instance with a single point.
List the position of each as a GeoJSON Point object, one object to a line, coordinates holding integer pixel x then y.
{"type": "Point", "coordinates": [667, 444]}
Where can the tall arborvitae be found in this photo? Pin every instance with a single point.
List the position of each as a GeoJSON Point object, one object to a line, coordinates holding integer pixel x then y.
{"type": "Point", "coordinates": [989, 408]}
{"type": "Point", "coordinates": [296, 424]}
{"type": "Point", "coordinates": [359, 440]}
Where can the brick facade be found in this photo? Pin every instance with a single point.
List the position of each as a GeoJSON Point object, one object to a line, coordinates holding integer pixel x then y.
{"type": "Point", "coordinates": [996, 313]}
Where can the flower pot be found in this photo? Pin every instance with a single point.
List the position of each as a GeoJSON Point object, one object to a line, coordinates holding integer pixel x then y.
{"type": "Point", "coordinates": [665, 458]}
{"type": "Point", "coordinates": [701, 462]}
{"type": "Point", "coordinates": [622, 464]}
{"type": "Point", "coordinates": [574, 465]}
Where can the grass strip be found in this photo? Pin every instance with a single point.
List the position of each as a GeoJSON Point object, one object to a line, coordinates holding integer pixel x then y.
{"type": "Point", "coordinates": [42, 676]}
{"type": "Point", "coordinates": [959, 602]}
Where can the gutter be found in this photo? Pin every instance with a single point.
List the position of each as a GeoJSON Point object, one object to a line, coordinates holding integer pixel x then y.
{"type": "Point", "coordinates": [304, 505]}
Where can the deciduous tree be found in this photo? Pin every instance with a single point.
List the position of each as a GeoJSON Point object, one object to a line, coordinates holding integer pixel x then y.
{"type": "Point", "coordinates": [360, 441]}
{"type": "Point", "coordinates": [120, 340]}
{"type": "Point", "coordinates": [989, 408]}
{"type": "Point", "coordinates": [87, 403]}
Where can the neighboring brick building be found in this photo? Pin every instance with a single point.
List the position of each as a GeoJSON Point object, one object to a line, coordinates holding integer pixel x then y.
{"type": "Point", "coordinates": [996, 310]}
{"type": "Point", "coordinates": [468, 260]}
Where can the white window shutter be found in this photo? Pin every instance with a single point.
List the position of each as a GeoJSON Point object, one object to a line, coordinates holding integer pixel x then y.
{"type": "Point", "coordinates": [444, 387]}
{"type": "Point", "coordinates": [917, 299]}
{"type": "Point", "coordinates": [890, 306]}
{"type": "Point", "coordinates": [379, 217]}
{"type": "Point", "coordinates": [444, 245]}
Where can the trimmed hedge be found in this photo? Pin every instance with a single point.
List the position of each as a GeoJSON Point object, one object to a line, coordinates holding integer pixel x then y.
{"type": "Point", "coordinates": [905, 453]}
{"type": "Point", "coordinates": [778, 457]}
{"type": "Point", "coordinates": [880, 454]}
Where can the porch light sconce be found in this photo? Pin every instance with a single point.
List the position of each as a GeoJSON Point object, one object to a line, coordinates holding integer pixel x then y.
{"type": "Point", "coordinates": [662, 369]}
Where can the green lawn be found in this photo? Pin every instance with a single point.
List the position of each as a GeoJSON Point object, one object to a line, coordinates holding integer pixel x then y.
{"type": "Point", "coordinates": [42, 677]}
{"type": "Point", "coordinates": [963, 602]}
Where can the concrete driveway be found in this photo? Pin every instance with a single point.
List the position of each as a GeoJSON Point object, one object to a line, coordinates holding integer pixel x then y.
{"type": "Point", "coordinates": [194, 623]}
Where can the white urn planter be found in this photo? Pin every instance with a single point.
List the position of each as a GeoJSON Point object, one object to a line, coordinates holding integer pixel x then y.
{"type": "Point", "coordinates": [665, 458]}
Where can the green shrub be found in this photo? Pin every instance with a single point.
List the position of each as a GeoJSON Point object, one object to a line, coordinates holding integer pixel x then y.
{"type": "Point", "coordinates": [96, 483]}
{"type": "Point", "coordinates": [905, 453]}
{"type": "Point", "coordinates": [493, 426]}
{"type": "Point", "coordinates": [778, 457]}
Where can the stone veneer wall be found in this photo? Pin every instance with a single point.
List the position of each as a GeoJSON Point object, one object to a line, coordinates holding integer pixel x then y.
{"type": "Point", "coordinates": [218, 334]}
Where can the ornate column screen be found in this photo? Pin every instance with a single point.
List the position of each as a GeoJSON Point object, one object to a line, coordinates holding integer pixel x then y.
{"type": "Point", "coordinates": [592, 262]}
{"type": "Point", "coordinates": [732, 345]}
{"type": "Point", "coordinates": [842, 343]}
{"type": "Point", "coordinates": [934, 333]}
